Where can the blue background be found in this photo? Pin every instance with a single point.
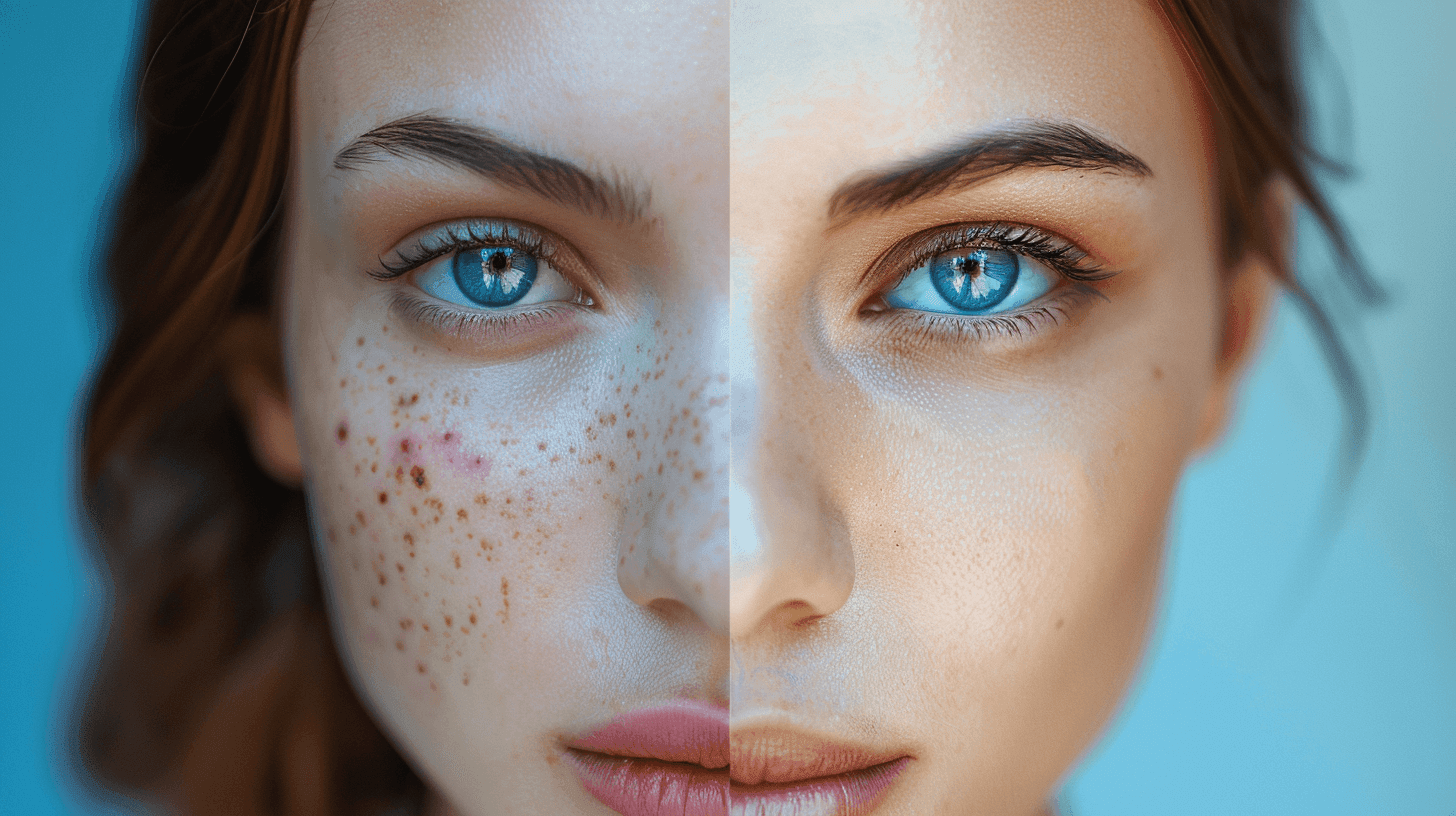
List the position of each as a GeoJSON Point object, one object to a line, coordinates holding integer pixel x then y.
{"type": "Point", "coordinates": [1257, 696]}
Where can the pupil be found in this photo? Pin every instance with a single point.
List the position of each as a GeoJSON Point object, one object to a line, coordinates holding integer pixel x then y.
{"type": "Point", "coordinates": [498, 262]}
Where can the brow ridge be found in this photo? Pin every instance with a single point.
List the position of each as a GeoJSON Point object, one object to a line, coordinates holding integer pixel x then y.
{"type": "Point", "coordinates": [471, 147]}
{"type": "Point", "coordinates": [1008, 147]}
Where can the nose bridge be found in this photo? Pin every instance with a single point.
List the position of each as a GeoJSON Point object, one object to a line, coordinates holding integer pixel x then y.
{"type": "Point", "coordinates": [674, 548]}
{"type": "Point", "coordinates": [788, 559]}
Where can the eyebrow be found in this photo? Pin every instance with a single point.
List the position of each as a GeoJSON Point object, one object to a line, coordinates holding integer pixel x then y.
{"type": "Point", "coordinates": [1013, 146]}
{"type": "Point", "coordinates": [470, 147]}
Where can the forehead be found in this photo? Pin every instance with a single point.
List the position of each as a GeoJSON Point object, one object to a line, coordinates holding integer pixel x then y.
{"type": "Point", "coordinates": [584, 81]}
{"type": "Point", "coordinates": [874, 81]}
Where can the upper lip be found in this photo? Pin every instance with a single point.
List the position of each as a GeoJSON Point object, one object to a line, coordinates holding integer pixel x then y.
{"type": "Point", "coordinates": [689, 731]}
{"type": "Point", "coordinates": [770, 755]}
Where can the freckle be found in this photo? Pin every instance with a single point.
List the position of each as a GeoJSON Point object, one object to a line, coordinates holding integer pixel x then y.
{"type": "Point", "coordinates": [374, 602]}
{"type": "Point", "coordinates": [472, 617]}
{"type": "Point", "coordinates": [414, 398]}
{"type": "Point", "coordinates": [383, 497]}
{"type": "Point", "coordinates": [449, 621]}
{"type": "Point", "coordinates": [1060, 621]}
{"type": "Point", "coordinates": [406, 624]}
{"type": "Point", "coordinates": [461, 514]}
{"type": "Point", "coordinates": [466, 681]}
{"type": "Point", "coordinates": [1157, 372]}
{"type": "Point", "coordinates": [571, 450]}
{"type": "Point", "coordinates": [384, 329]}
{"type": "Point", "coordinates": [343, 383]}
{"type": "Point", "coordinates": [369, 439]}
{"type": "Point", "coordinates": [420, 667]}
{"type": "Point", "coordinates": [612, 464]}
{"type": "Point", "coordinates": [361, 341]}
{"type": "Point", "coordinates": [417, 473]}
{"type": "Point", "coordinates": [425, 626]}
{"type": "Point", "coordinates": [391, 379]}
{"type": "Point", "coordinates": [399, 644]}
{"type": "Point", "coordinates": [457, 560]}
{"type": "Point", "coordinates": [360, 515]}
{"type": "Point", "coordinates": [659, 468]}
{"type": "Point", "coordinates": [399, 567]}
{"type": "Point", "coordinates": [343, 432]}
{"type": "Point", "coordinates": [382, 580]}
{"type": "Point", "coordinates": [404, 445]}
{"type": "Point", "coordinates": [631, 434]}
{"type": "Point", "coordinates": [414, 511]}
{"type": "Point", "coordinates": [697, 475]}
{"type": "Point", "coordinates": [482, 499]}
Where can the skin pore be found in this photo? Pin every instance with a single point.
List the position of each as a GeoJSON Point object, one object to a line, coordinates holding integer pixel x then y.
{"type": "Point", "coordinates": [947, 529]}
{"type": "Point", "coordinates": [520, 511]}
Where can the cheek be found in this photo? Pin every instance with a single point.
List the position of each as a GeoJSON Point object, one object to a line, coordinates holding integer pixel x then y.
{"type": "Point", "coordinates": [1018, 535]}
{"type": "Point", "coordinates": [453, 514]}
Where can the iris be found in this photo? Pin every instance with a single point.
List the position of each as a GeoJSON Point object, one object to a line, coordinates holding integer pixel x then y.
{"type": "Point", "coordinates": [494, 276]}
{"type": "Point", "coordinates": [974, 280]}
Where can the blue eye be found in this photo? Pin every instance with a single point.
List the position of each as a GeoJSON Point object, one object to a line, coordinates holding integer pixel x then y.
{"type": "Point", "coordinates": [972, 281]}
{"type": "Point", "coordinates": [485, 266]}
{"type": "Point", "coordinates": [494, 276]}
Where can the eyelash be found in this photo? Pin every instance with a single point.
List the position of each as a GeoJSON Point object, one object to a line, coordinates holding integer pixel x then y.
{"type": "Point", "coordinates": [458, 238]}
{"type": "Point", "coordinates": [1068, 260]}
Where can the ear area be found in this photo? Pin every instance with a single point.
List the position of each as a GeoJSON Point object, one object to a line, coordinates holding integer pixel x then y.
{"type": "Point", "coordinates": [1248, 295]}
{"type": "Point", "coordinates": [252, 363]}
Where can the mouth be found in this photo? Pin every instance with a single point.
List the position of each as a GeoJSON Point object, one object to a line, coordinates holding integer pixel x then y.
{"type": "Point", "coordinates": [778, 772]}
{"type": "Point", "coordinates": [666, 759]}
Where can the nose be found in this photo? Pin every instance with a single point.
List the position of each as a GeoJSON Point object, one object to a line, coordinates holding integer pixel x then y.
{"type": "Point", "coordinates": [673, 554]}
{"type": "Point", "coordinates": [790, 560]}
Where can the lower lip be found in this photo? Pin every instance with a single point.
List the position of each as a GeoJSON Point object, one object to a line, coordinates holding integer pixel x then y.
{"type": "Point", "coordinates": [848, 794]}
{"type": "Point", "coordinates": [649, 787]}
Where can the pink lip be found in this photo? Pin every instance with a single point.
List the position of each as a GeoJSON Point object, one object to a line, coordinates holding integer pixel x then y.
{"type": "Point", "coordinates": [671, 759]}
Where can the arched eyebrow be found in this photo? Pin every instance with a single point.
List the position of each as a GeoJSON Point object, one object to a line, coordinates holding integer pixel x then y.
{"type": "Point", "coordinates": [470, 147]}
{"type": "Point", "coordinates": [1015, 145]}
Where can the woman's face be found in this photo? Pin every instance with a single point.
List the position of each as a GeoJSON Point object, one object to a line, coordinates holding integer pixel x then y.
{"type": "Point", "coordinates": [955, 430]}
{"type": "Point", "coordinates": [506, 294]}
{"type": "Point", "coordinates": [977, 328]}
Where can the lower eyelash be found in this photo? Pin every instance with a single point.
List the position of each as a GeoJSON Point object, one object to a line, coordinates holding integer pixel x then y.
{"type": "Point", "coordinates": [919, 328]}
{"type": "Point", "coordinates": [478, 327]}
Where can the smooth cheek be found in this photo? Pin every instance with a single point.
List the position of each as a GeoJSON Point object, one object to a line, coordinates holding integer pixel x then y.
{"type": "Point", "coordinates": [1015, 533]}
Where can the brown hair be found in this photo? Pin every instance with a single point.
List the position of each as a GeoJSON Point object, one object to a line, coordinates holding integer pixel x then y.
{"type": "Point", "coordinates": [218, 686]}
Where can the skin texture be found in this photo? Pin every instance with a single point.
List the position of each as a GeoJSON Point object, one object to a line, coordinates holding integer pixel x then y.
{"type": "Point", "coordinates": [944, 545]}
{"type": "Point", "coordinates": [522, 533]}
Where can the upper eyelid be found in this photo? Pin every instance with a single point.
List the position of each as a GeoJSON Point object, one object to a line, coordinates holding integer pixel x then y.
{"type": "Point", "coordinates": [537, 242]}
{"type": "Point", "coordinates": [906, 255]}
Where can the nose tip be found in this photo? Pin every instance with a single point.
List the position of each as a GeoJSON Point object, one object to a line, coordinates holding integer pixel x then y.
{"type": "Point", "coordinates": [677, 555]}
{"type": "Point", "coordinates": [789, 562]}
